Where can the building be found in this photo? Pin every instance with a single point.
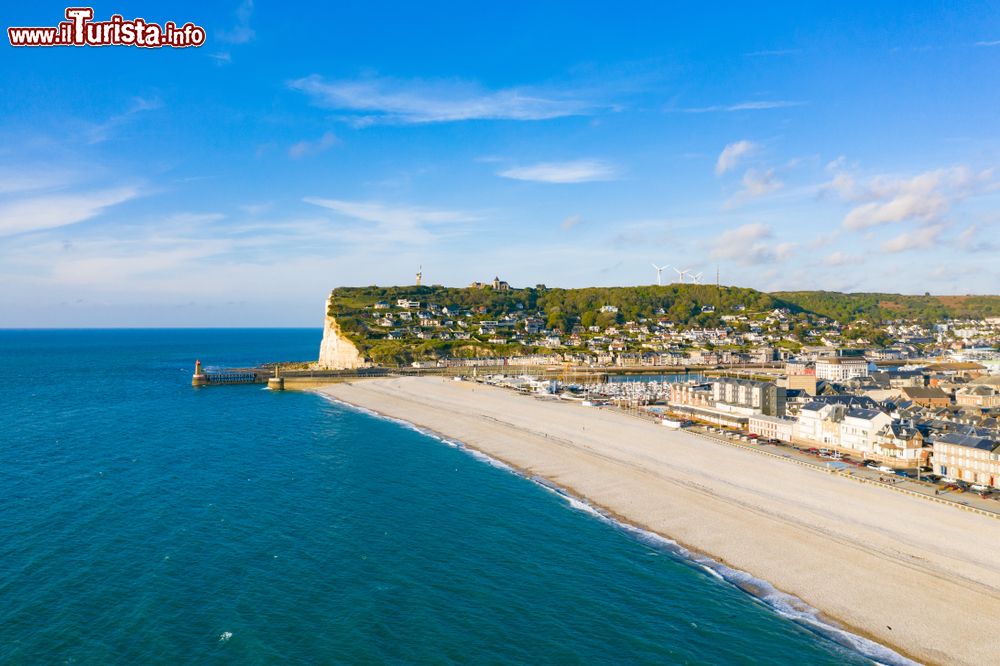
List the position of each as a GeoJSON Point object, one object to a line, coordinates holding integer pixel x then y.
{"type": "Point", "coordinates": [859, 429]}
{"type": "Point", "coordinates": [800, 367]}
{"type": "Point", "coordinates": [806, 383]}
{"type": "Point", "coordinates": [760, 397]}
{"type": "Point", "coordinates": [901, 444]}
{"type": "Point", "coordinates": [899, 378]}
{"type": "Point", "coordinates": [771, 427]}
{"type": "Point", "coordinates": [981, 396]}
{"type": "Point", "coordinates": [841, 425]}
{"type": "Point", "coordinates": [819, 423]}
{"type": "Point", "coordinates": [926, 396]}
{"type": "Point", "coordinates": [967, 457]}
{"type": "Point", "coordinates": [841, 368]}
{"type": "Point", "coordinates": [694, 395]}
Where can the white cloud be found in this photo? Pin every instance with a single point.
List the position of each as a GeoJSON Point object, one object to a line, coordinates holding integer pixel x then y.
{"type": "Point", "coordinates": [570, 222]}
{"type": "Point", "coordinates": [990, 42]}
{"type": "Point", "coordinates": [577, 171]}
{"type": "Point", "coordinates": [924, 198]}
{"type": "Point", "coordinates": [751, 244]}
{"type": "Point", "coordinates": [732, 154]}
{"type": "Point", "coordinates": [843, 185]}
{"type": "Point", "coordinates": [772, 52]}
{"type": "Point", "coordinates": [417, 101]}
{"type": "Point", "coordinates": [303, 148]}
{"type": "Point", "coordinates": [745, 106]}
{"type": "Point", "coordinates": [241, 33]}
{"type": "Point", "coordinates": [100, 132]}
{"type": "Point", "coordinates": [26, 180]}
{"type": "Point", "coordinates": [918, 239]}
{"type": "Point", "coordinates": [975, 239]}
{"type": "Point", "coordinates": [393, 224]}
{"type": "Point", "coordinates": [222, 57]}
{"type": "Point", "coordinates": [58, 210]}
{"type": "Point", "coordinates": [841, 259]}
{"type": "Point", "coordinates": [757, 183]}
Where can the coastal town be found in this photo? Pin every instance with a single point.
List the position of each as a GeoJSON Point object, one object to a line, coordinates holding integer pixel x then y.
{"type": "Point", "coordinates": [915, 395]}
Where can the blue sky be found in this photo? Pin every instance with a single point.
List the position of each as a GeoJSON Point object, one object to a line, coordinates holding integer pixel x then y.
{"type": "Point", "coordinates": [787, 145]}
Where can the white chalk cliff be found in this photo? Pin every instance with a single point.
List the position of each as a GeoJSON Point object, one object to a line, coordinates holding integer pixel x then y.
{"type": "Point", "coordinates": [336, 352]}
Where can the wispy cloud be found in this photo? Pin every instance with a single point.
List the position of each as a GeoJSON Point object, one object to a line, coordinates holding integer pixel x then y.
{"type": "Point", "coordinates": [839, 258]}
{"type": "Point", "coordinates": [924, 198]}
{"type": "Point", "coordinates": [29, 179]}
{"type": "Point", "coordinates": [303, 148]}
{"type": "Point", "coordinates": [772, 53]}
{"type": "Point", "coordinates": [222, 57]}
{"type": "Point", "coordinates": [732, 154]}
{"type": "Point", "coordinates": [975, 239]}
{"type": "Point", "coordinates": [991, 42]}
{"type": "Point", "coordinates": [760, 182]}
{"type": "Point", "coordinates": [918, 239]}
{"type": "Point", "coordinates": [58, 210]}
{"type": "Point", "coordinates": [576, 171]}
{"type": "Point", "coordinates": [570, 222]}
{"type": "Point", "coordinates": [751, 244]}
{"type": "Point", "coordinates": [374, 100]}
{"type": "Point", "coordinates": [100, 132]}
{"type": "Point", "coordinates": [761, 105]}
{"type": "Point", "coordinates": [394, 223]}
{"type": "Point", "coordinates": [241, 33]}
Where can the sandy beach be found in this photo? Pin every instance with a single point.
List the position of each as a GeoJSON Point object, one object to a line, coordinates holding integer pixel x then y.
{"type": "Point", "coordinates": [918, 576]}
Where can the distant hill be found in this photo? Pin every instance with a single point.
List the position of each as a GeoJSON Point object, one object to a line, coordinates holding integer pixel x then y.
{"type": "Point", "coordinates": [681, 303]}
{"type": "Point", "coordinates": [481, 321]}
{"type": "Point", "coordinates": [877, 307]}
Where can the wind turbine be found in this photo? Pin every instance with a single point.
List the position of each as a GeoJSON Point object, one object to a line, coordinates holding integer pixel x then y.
{"type": "Point", "coordinates": [696, 279]}
{"type": "Point", "coordinates": [681, 274]}
{"type": "Point", "coordinates": [659, 270]}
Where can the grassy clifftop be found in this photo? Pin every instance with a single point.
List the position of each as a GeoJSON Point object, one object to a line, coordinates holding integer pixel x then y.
{"type": "Point", "coordinates": [682, 304]}
{"type": "Point", "coordinates": [471, 322]}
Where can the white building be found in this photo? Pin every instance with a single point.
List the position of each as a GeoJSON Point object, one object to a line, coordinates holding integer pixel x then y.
{"type": "Point", "coordinates": [859, 429]}
{"type": "Point", "coordinates": [771, 427]}
{"type": "Point", "coordinates": [841, 368]}
{"type": "Point", "coordinates": [818, 423]}
{"type": "Point", "coordinates": [839, 426]}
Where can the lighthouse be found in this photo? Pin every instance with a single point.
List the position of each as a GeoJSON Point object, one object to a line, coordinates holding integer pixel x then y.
{"type": "Point", "coordinates": [199, 378]}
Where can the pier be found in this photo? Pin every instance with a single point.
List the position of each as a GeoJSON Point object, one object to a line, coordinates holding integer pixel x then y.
{"type": "Point", "coordinates": [234, 376]}
{"type": "Point", "coordinates": [277, 377]}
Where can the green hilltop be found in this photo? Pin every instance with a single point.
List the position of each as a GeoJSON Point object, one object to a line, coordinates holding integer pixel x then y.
{"type": "Point", "coordinates": [567, 310]}
{"type": "Point", "coordinates": [877, 308]}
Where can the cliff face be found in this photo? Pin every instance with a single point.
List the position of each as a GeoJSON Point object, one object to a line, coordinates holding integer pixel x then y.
{"type": "Point", "coordinates": [336, 352]}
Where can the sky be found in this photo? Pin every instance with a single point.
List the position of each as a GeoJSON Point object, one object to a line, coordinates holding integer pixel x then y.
{"type": "Point", "coordinates": [779, 146]}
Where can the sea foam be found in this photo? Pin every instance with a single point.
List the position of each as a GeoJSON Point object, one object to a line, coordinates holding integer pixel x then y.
{"type": "Point", "coordinates": [784, 604]}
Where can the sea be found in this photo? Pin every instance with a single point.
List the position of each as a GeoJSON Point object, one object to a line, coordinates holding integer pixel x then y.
{"type": "Point", "coordinates": [143, 521]}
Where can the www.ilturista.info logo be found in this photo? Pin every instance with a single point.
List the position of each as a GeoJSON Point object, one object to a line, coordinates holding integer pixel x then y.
{"type": "Point", "coordinates": [79, 29]}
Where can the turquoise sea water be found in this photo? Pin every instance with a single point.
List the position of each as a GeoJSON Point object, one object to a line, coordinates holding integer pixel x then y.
{"type": "Point", "coordinates": [141, 520]}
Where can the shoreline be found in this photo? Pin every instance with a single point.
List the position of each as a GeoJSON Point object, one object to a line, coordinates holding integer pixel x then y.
{"type": "Point", "coordinates": [780, 602]}
{"type": "Point", "coordinates": [620, 469]}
